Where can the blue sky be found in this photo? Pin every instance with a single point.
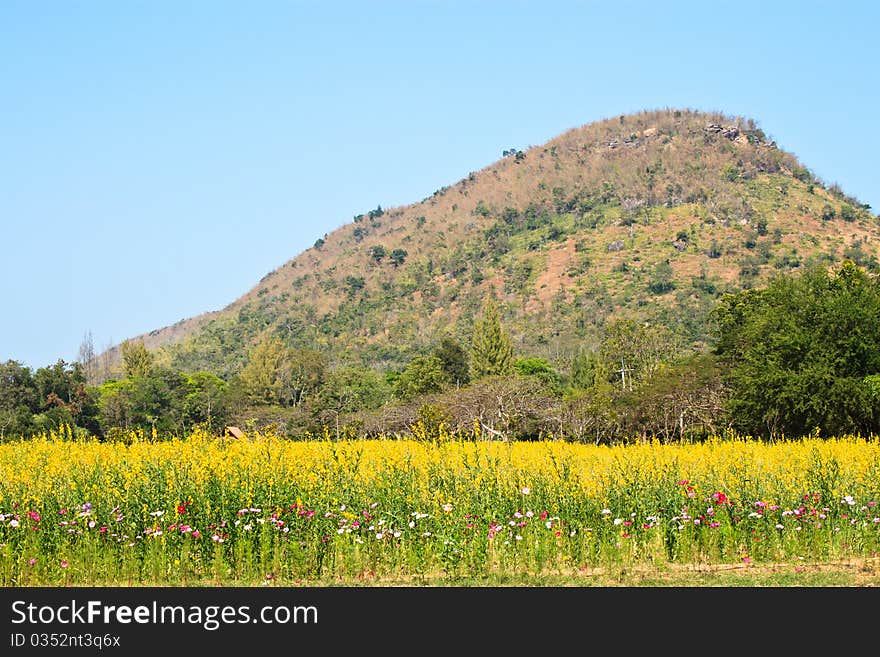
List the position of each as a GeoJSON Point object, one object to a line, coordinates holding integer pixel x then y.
{"type": "Point", "coordinates": [158, 158]}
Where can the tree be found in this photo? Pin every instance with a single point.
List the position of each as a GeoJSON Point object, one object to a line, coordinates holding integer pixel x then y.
{"type": "Point", "coordinates": [87, 358]}
{"type": "Point", "coordinates": [204, 399]}
{"type": "Point", "coordinates": [136, 359]}
{"type": "Point", "coordinates": [491, 350]}
{"type": "Point", "coordinates": [62, 397]}
{"type": "Point", "coordinates": [798, 353]}
{"type": "Point", "coordinates": [18, 399]}
{"type": "Point", "coordinates": [262, 377]}
{"type": "Point", "coordinates": [537, 367]}
{"type": "Point", "coordinates": [302, 374]}
{"type": "Point", "coordinates": [635, 350]}
{"type": "Point", "coordinates": [422, 375]}
{"type": "Point", "coordinates": [377, 253]}
{"type": "Point", "coordinates": [584, 368]}
{"type": "Point", "coordinates": [398, 256]}
{"type": "Point", "coordinates": [453, 360]}
{"type": "Point", "coordinates": [662, 280]}
{"type": "Point", "coordinates": [352, 389]}
{"type": "Point", "coordinates": [116, 405]}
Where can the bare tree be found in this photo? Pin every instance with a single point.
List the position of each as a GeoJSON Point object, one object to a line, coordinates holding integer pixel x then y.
{"type": "Point", "coordinates": [87, 358]}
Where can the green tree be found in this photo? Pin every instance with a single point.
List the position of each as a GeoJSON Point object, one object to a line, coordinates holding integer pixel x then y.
{"type": "Point", "coordinates": [18, 399]}
{"type": "Point", "coordinates": [398, 256]}
{"type": "Point", "coordinates": [491, 350]}
{"type": "Point", "coordinates": [422, 375]}
{"type": "Point", "coordinates": [377, 253]}
{"type": "Point", "coordinates": [262, 377]}
{"type": "Point", "coordinates": [798, 353]}
{"type": "Point", "coordinates": [453, 360]}
{"type": "Point", "coordinates": [302, 374]}
{"type": "Point", "coordinates": [634, 351]}
{"type": "Point", "coordinates": [662, 280]}
{"type": "Point", "coordinates": [204, 399]}
{"type": "Point", "coordinates": [537, 367]}
{"type": "Point", "coordinates": [584, 366]}
{"type": "Point", "coordinates": [116, 405]}
{"type": "Point", "coordinates": [352, 389]}
{"type": "Point", "coordinates": [136, 359]}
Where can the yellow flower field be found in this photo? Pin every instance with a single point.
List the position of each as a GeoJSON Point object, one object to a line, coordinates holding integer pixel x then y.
{"type": "Point", "coordinates": [200, 508]}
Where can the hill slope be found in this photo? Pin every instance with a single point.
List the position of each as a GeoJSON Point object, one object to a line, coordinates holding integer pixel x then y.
{"type": "Point", "coordinates": [651, 215]}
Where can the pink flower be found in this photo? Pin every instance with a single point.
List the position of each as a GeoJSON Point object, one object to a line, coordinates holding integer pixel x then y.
{"type": "Point", "coordinates": [196, 533]}
{"type": "Point", "coordinates": [103, 529]}
{"type": "Point", "coordinates": [64, 564]}
{"type": "Point", "coordinates": [746, 559]}
{"type": "Point", "coordinates": [32, 561]}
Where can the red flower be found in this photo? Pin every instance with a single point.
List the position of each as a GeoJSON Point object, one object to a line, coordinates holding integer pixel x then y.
{"type": "Point", "coordinates": [181, 508]}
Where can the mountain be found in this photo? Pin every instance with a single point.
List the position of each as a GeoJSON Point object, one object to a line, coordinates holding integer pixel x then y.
{"type": "Point", "coordinates": [649, 216]}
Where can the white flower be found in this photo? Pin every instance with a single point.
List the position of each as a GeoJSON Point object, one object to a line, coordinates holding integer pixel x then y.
{"type": "Point", "coordinates": [396, 534]}
{"type": "Point", "coordinates": [618, 521]}
{"type": "Point", "coordinates": [237, 523]}
{"type": "Point", "coordinates": [517, 515]}
{"type": "Point", "coordinates": [91, 524]}
{"type": "Point", "coordinates": [606, 512]}
{"type": "Point", "coordinates": [447, 508]}
{"type": "Point", "coordinates": [573, 532]}
{"type": "Point", "coordinates": [374, 505]}
{"type": "Point", "coordinates": [379, 536]}
{"type": "Point", "coordinates": [518, 537]}
{"type": "Point", "coordinates": [426, 534]}
{"type": "Point", "coordinates": [157, 513]}
{"type": "Point", "coordinates": [754, 515]}
{"type": "Point", "coordinates": [848, 499]}
{"type": "Point", "coordinates": [412, 523]}
{"type": "Point", "coordinates": [780, 526]}
{"type": "Point", "coordinates": [13, 523]}
{"type": "Point", "coordinates": [248, 527]}
{"type": "Point", "coordinates": [526, 490]}
{"type": "Point", "coordinates": [342, 507]}
{"type": "Point", "coordinates": [529, 514]}
{"type": "Point", "coordinates": [548, 524]}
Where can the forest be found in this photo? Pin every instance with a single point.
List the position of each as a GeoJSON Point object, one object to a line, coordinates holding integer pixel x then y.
{"type": "Point", "coordinates": [799, 357]}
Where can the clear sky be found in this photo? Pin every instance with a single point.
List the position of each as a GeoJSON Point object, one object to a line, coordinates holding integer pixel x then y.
{"type": "Point", "coordinates": [157, 158]}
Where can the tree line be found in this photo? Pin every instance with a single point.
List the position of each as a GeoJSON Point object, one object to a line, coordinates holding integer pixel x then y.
{"type": "Point", "coordinates": [798, 357]}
